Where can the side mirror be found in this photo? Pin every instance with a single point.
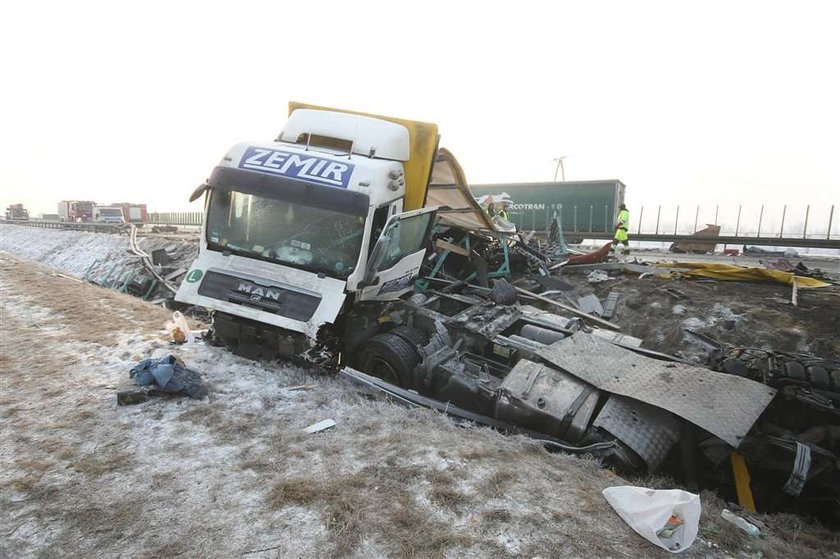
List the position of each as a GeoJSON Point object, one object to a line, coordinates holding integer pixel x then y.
{"type": "Point", "coordinates": [377, 255]}
{"type": "Point", "coordinates": [202, 188]}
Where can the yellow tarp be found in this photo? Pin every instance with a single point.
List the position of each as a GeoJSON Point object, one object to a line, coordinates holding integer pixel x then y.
{"type": "Point", "coordinates": [730, 272]}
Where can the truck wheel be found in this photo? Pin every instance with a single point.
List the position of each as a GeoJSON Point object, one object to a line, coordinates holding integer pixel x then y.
{"type": "Point", "coordinates": [390, 358]}
{"type": "Point", "coordinates": [819, 377]}
{"type": "Point", "coordinates": [413, 336]}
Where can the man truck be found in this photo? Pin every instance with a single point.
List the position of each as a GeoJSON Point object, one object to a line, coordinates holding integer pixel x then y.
{"type": "Point", "coordinates": [299, 230]}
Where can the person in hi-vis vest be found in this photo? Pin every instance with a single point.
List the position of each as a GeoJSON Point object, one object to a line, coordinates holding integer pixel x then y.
{"type": "Point", "coordinates": [621, 230]}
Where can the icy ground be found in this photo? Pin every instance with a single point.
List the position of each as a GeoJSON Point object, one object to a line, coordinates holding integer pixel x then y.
{"type": "Point", "coordinates": [98, 257]}
{"type": "Point", "coordinates": [234, 475]}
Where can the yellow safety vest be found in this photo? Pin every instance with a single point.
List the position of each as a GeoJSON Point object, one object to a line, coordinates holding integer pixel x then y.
{"type": "Point", "coordinates": [624, 219]}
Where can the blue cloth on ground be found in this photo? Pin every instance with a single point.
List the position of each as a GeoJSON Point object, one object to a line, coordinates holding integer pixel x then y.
{"type": "Point", "coordinates": [170, 375]}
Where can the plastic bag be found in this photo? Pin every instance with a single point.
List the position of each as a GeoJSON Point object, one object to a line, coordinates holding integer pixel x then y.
{"type": "Point", "coordinates": [178, 328]}
{"type": "Point", "coordinates": [648, 511]}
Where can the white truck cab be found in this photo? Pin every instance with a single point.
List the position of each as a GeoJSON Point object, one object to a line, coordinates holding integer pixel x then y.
{"type": "Point", "coordinates": [294, 227]}
{"type": "Point", "coordinates": [108, 214]}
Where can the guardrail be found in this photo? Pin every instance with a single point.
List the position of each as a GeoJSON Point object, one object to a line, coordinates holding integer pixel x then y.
{"type": "Point", "coordinates": [176, 218]}
{"type": "Point", "coordinates": [91, 227]}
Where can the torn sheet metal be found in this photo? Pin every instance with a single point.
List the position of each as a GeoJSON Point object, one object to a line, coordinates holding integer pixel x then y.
{"type": "Point", "coordinates": [448, 189]}
{"type": "Point", "coordinates": [649, 431]}
{"type": "Point", "coordinates": [591, 304]}
{"type": "Point", "coordinates": [612, 303]}
{"type": "Point", "coordinates": [725, 405]}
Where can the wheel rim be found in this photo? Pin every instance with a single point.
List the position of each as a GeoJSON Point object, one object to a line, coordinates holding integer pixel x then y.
{"type": "Point", "coordinates": [379, 367]}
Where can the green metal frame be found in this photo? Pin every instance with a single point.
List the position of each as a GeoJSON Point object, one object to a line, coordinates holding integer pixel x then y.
{"type": "Point", "coordinates": [501, 272]}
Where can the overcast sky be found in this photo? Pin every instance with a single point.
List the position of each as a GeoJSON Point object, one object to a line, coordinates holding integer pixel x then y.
{"type": "Point", "coordinates": [705, 102]}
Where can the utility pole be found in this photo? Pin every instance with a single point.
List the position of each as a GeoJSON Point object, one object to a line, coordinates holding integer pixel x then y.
{"type": "Point", "coordinates": [560, 168]}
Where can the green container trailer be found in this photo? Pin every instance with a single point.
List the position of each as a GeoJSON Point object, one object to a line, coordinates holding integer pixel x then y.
{"type": "Point", "coordinates": [583, 206]}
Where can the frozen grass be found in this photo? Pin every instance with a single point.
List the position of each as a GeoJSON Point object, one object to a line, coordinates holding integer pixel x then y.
{"type": "Point", "coordinates": [234, 475]}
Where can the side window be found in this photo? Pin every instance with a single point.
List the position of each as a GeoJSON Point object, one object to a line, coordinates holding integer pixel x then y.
{"type": "Point", "coordinates": [380, 218]}
{"type": "Point", "coordinates": [406, 236]}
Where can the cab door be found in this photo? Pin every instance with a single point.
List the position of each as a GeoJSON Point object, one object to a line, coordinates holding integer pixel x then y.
{"type": "Point", "coordinates": [396, 258]}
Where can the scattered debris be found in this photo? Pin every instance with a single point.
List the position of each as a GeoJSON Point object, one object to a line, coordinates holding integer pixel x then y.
{"type": "Point", "coordinates": [320, 426]}
{"type": "Point", "coordinates": [594, 257]}
{"type": "Point", "coordinates": [591, 304]}
{"type": "Point", "coordinates": [612, 304]}
{"type": "Point", "coordinates": [167, 374]}
{"type": "Point", "coordinates": [698, 247]}
{"type": "Point", "coordinates": [736, 520]}
{"type": "Point", "coordinates": [178, 328]}
{"type": "Point", "coordinates": [675, 293]}
{"type": "Point", "coordinates": [177, 273]}
{"type": "Point", "coordinates": [164, 229]}
{"type": "Point", "coordinates": [668, 518]}
{"type": "Point", "coordinates": [720, 271]}
{"type": "Point", "coordinates": [300, 387]}
{"type": "Point", "coordinates": [597, 276]}
{"type": "Point", "coordinates": [759, 251]}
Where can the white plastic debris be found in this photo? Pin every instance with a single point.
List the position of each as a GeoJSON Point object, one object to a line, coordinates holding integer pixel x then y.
{"type": "Point", "coordinates": [668, 518]}
{"type": "Point", "coordinates": [733, 518]}
{"type": "Point", "coordinates": [178, 328]}
{"type": "Point", "coordinates": [597, 276]}
{"type": "Point", "coordinates": [320, 426]}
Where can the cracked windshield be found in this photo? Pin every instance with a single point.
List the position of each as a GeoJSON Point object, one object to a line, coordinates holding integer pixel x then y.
{"type": "Point", "coordinates": [301, 236]}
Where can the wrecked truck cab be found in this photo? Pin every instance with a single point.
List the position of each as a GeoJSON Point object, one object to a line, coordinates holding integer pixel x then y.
{"type": "Point", "coordinates": [290, 227]}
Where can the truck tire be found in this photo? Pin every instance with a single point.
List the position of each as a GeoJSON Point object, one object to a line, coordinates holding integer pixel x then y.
{"type": "Point", "coordinates": [413, 336]}
{"type": "Point", "coordinates": [389, 357]}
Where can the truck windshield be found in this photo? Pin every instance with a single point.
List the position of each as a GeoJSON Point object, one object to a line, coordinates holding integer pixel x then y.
{"type": "Point", "coordinates": [302, 236]}
{"type": "Point", "coordinates": [110, 212]}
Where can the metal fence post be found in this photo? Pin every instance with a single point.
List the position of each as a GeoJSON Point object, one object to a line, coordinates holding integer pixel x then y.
{"type": "Point", "coordinates": [677, 219]}
{"type": "Point", "coordinates": [641, 213]}
{"type": "Point", "coordinates": [696, 215]}
{"type": "Point", "coordinates": [760, 217]}
{"type": "Point", "coordinates": [575, 229]}
{"type": "Point", "coordinates": [738, 222]}
{"type": "Point", "coordinates": [606, 219]}
{"type": "Point", "coordinates": [805, 229]}
{"type": "Point", "coordinates": [717, 207]}
{"type": "Point", "coordinates": [658, 212]}
{"type": "Point", "coordinates": [782, 228]}
{"type": "Point", "coordinates": [591, 209]}
{"type": "Point", "coordinates": [830, 219]}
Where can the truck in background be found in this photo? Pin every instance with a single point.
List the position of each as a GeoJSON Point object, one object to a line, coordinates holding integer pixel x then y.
{"type": "Point", "coordinates": [133, 213]}
{"type": "Point", "coordinates": [75, 210]}
{"type": "Point", "coordinates": [108, 214]}
{"type": "Point", "coordinates": [583, 206]}
{"type": "Point", "coordinates": [16, 212]}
